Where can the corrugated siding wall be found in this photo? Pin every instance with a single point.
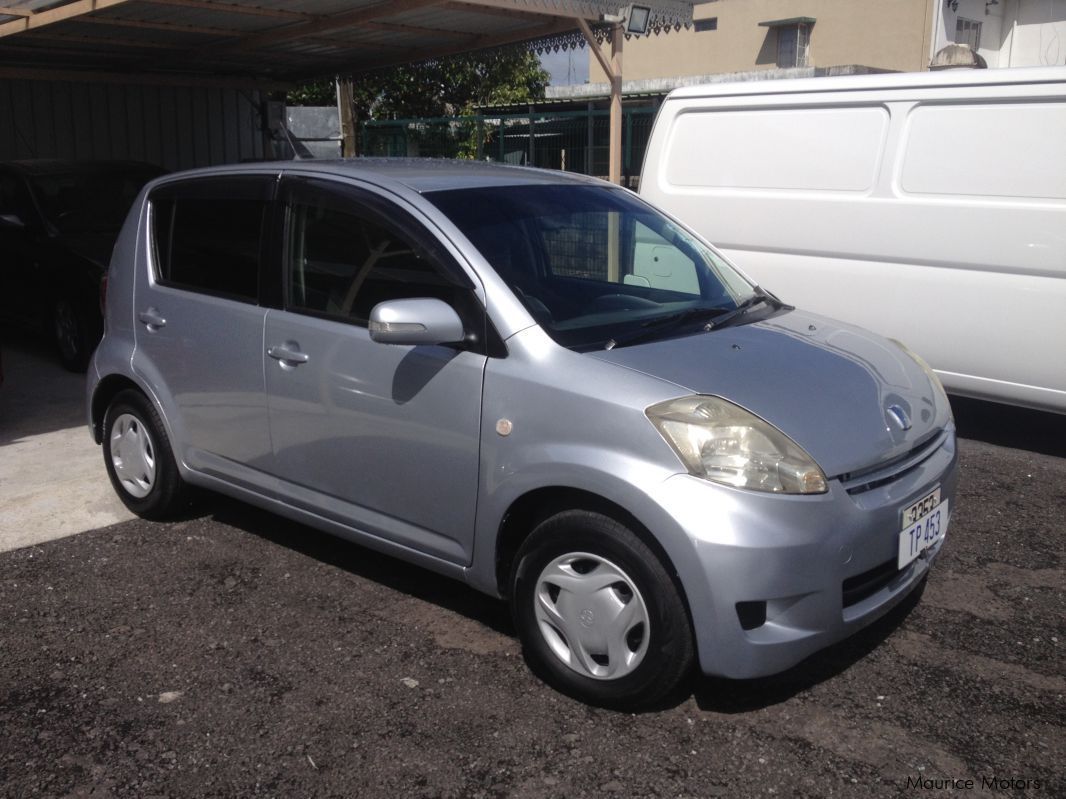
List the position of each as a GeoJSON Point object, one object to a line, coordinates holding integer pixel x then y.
{"type": "Point", "coordinates": [174, 127]}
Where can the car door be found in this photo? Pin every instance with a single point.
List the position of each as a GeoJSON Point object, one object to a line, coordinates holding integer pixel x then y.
{"type": "Point", "coordinates": [380, 437]}
{"type": "Point", "coordinates": [199, 322]}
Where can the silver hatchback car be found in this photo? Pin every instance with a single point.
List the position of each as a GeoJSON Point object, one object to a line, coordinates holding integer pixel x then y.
{"type": "Point", "coordinates": [535, 383]}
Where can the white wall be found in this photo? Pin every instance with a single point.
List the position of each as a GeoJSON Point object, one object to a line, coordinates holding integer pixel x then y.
{"type": "Point", "coordinates": [1014, 33]}
{"type": "Point", "coordinates": [1037, 36]}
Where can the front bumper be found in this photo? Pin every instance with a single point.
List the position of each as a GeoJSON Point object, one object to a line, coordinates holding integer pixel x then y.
{"type": "Point", "coordinates": [785, 576]}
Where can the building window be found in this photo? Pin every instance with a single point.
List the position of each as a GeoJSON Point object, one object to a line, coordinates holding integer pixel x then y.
{"type": "Point", "coordinates": [968, 31]}
{"type": "Point", "coordinates": [793, 43]}
{"type": "Point", "coordinates": [710, 24]}
{"type": "Point", "coordinates": [793, 40]}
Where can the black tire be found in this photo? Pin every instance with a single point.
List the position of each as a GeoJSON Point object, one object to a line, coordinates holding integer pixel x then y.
{"type": "Point", "coordinates": [165, 493]}
{"type": "Point", "coordinates": [666, 642]}
{"type": "Point", "coordinates": [76, 330]}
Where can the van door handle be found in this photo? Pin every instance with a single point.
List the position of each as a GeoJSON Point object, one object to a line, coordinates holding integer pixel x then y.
{"type": "Point", "coordinates": [287, 355]}
{"type": "Point", "coordinates": [152, 319]}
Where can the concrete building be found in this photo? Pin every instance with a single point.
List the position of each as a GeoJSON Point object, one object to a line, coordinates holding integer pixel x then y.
{"type": "Point", "coordinates": [746, 36]}
{"type": "Point", "coordinates": [752, 35]}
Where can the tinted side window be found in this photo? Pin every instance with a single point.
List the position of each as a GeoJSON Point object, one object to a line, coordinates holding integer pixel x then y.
{"type": "Point", "coordinates": [342, 261]}
{"type": "Point", "coordinates": [208, 235]}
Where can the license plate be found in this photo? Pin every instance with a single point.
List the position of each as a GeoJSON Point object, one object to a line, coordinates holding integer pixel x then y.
{"type": "Point", "coordinates": [924, 523]}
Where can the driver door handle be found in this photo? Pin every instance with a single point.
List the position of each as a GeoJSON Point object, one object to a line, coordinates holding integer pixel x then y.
{"type": "Point", "coordinates": [152, 319]}
{"type": "Point", "coordinates": [287, 356]}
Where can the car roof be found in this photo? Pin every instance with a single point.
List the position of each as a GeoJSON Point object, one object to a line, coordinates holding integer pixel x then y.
{"type": "Point", "coordinates": [418, 174]}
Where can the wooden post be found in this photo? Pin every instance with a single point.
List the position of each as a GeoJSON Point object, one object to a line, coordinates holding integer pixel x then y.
{"type": "Point", "coordinates": [347, 117]}
{"type": "Point", "coordinates": [614, 172]}
{"type": "Point", "coordinates": [613, 68]}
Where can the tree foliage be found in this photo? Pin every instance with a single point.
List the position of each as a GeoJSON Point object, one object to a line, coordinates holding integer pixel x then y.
{"type": "Point", "coordinates": [442, 87]}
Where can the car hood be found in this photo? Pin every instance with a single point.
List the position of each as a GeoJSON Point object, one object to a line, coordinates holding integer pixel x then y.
{"type": "Point", "coordinates": [827, 385]}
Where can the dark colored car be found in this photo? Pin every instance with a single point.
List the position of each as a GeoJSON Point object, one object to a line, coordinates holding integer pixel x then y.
{"type": "Point", "coordinates": [58, 223]}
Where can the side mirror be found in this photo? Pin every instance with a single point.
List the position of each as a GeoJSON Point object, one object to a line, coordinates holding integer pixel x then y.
{"type": "Point", "coordinates": [418, 321]}
{"type": "Point", "coordinates": [11, 222]}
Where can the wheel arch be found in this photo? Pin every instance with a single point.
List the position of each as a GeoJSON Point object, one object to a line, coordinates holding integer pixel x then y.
{"type": "Point", "coordinates": [109, 388]}
{"type": "Point", "coordinates": [530, 509]}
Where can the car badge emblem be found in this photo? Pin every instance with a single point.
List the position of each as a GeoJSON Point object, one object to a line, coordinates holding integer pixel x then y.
{"type": "Point", "coordinates": [897, 416]}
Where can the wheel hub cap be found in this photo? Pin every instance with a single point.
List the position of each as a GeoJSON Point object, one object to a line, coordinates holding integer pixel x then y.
{"type": "Point", "coordinates": [592, 616]}
{"type": "Point", "coordinates": [133, 455]}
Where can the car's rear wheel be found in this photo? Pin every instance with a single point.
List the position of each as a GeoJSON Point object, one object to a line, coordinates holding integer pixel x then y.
{"type": "Point", "coordinates": [599, 616]}
{"type": "Point", "coordinates": [139, 459]}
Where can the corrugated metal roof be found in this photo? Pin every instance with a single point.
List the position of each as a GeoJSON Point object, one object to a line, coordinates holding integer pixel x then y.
{"type": "Point", "coordinates": [271, 40]}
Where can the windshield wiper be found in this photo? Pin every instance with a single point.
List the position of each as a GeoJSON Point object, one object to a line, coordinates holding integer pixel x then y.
{"type": "Point", "coordinates": [716, 318]}
{"type": "Point", "coordinates": [731, 317]}
{"type": "Point", "coordinates": [654, 328]}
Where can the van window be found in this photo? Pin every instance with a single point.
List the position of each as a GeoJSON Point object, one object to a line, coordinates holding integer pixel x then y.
{"type": "Point", "coordinates": [340, 263]}
{"type": "Point", "coordinates": [817, 149]}
{"type": "Point", "coordinates": [991, 150]}
{"type": "Point", "coordinates": [208, 234]}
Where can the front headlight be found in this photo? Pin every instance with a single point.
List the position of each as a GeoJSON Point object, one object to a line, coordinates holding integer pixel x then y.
{"type": "Point", "coordinates": [719, 441]}
{"type": "Point", "coordinates": [938, 387]}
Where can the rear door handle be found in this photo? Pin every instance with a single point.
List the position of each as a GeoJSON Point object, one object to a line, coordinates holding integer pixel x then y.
{"type": "Point", "coordinates": [288, 354]}
{"type": "Point", "coordinates": [152, 319]}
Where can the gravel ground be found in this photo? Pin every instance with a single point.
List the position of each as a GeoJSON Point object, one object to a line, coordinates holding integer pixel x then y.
{"type": "Point", "coordinates": [236, 654]}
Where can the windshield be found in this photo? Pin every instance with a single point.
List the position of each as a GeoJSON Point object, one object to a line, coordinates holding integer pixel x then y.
{"type": "Point", "coordinates": [594, 265]}
{"type": "Point", "coordinates": [90, 199]}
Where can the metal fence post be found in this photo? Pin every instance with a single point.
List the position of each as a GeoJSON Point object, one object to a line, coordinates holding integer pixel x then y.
{"type": "Point", "coordinates": [532, 145]}
{"type": "Point", "coordinates": [588, 146]}
{"type": "Point", "coordinates": [629, 143]}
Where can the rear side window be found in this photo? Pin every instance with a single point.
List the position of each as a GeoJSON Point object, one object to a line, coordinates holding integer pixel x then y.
{"type": "Point", "coordinates": [208, 235]}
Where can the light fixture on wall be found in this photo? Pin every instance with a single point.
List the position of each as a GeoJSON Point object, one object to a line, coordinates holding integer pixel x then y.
{"type": "Point", "coordinates": [637, 19]}
{"type": "Point", "coordinates": [989, 3]}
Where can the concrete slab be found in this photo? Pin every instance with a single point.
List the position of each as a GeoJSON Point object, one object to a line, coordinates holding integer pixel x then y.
{"type": "Point", "coordinates": [52, 478]}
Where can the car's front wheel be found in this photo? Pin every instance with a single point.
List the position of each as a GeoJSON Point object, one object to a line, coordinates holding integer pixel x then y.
{"type": "Point", "coordinates": [598, 614]}
{"type": "Point", "coordinates": [77, 332]}
{"type": "Point", "coordinates": [139, 459]}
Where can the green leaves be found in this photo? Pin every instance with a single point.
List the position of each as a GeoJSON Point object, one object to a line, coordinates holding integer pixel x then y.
{"type": "Point", "coordinates": [444, 87]}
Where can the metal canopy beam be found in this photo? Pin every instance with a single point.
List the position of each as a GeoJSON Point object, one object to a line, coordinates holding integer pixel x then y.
{"type": "Point", "coordinates": [58, 14]}
{"type": "Point", "coordinates": [348, 19]}
{"type": "Point", "coordinates": [233, 8]}
{"type": "Point", "coordinates": [252, 51]}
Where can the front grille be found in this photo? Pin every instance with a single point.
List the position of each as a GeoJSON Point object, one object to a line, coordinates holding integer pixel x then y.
{"type": "Point", "coordinates": [862, 586]}
{"type": "Point", "coordinates": [882, 473]}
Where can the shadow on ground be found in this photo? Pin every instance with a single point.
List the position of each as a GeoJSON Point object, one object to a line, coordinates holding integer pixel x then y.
{"type": "Point", "coordinates": [1008, 426]}
{"type": "Point", "coordinates": [38, 395]}
{"type": "Point", "coordinates": [362, 562]}
{"type": "Point", "coordinates": [714, 694]}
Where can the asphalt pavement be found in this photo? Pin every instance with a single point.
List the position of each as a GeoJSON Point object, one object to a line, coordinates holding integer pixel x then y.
{"type": "Point", "coordinates": [232, 653]}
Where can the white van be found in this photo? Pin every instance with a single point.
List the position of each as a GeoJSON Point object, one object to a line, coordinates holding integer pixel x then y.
{"type": "Point", "coordinates": [929, 207]}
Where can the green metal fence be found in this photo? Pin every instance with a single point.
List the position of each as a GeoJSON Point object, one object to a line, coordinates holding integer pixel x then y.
{"type": "Point", "coordinates": [575, 141]}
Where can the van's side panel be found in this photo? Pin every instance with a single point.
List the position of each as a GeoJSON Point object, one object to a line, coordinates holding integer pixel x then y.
{"type": "Point", "coordinates": [932, 210]}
